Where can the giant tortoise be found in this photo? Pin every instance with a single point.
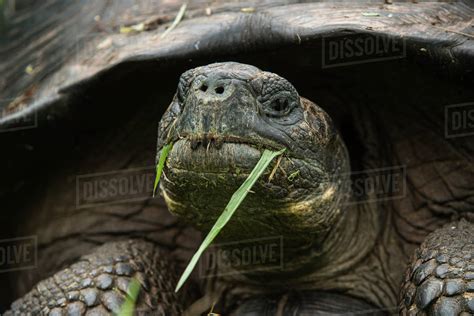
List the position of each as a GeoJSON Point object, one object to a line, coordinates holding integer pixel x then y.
{"type": "Point", "coordinates": [368, 211]}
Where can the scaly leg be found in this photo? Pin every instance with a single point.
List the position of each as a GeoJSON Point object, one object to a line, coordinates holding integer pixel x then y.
{"type": "Point", "coordinates": [97, 284]}
{"type": "Point", "coordinates": [440, 280]}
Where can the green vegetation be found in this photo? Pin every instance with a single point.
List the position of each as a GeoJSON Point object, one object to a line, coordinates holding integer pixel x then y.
{"type": "Point", "coordinates": [132, 293]}
{"type": "Point", "coordinates": [161, 164]}
{"type": "Point", "coordinates": [293, 175]}
{"type": "Point", "coordinates": [229, 210]}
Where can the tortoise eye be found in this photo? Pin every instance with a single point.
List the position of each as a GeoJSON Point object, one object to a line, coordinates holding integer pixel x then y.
{"type": "Point", "coordinates": [280, 105]}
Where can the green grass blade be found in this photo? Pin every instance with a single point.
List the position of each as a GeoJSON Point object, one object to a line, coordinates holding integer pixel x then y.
{"type": "Point", "coordinates": [229, 210]}
{"type": "Point", "coordinates": [128, 306]}
{"type": "Point", "coordinates": [161, 164]}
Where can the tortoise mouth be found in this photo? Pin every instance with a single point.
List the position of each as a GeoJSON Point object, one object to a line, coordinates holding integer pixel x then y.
{"type": "Point", "coordinates": [209, 170]}
{"type": "Point", "coordinates": [217, 141]}
{"type": "Point", "coordinates": [207, 154]}
{"type": "Point", "coordinates": [198, 183]}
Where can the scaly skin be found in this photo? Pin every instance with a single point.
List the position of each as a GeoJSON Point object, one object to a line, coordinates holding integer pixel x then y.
{"type": "Point", "coordinates": [98, 283]}
{"type": "Point", "coordinates": [440, 281]}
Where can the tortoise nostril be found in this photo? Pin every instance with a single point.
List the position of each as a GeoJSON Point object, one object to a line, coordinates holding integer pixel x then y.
{"type": "Point", "coordinates": [219, 90]}
{"type": "Point", "coordinates": [203, 88]}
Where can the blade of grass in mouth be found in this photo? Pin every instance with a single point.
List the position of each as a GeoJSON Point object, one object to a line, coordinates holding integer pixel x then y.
{"type": "Point", "coordinates": [128, 307]}
{"type": "Point", "coordinates": [161, 164]}
{"type": "Point", "coordinates": [229, 210]}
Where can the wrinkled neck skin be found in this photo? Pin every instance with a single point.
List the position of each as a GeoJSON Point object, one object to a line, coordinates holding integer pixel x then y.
{"type": "Point", "coordinates": [341, 264]}
{"type": "Point", "coordinates": [323, 261]}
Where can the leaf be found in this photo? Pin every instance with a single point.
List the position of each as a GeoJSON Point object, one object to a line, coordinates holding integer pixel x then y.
{"type": "Point", "coordinates": [176, 20]}
{"type": "Point", "coordinates": [161, 164]}
{"type": "Point", "coordinates": [370, 14]}
{"type": "Point", "coordinates": [132, 293]}
{"type": "Point", "coordinates": [137, 28]}
{"type": "Point", "coordinates": [229, 210]}
{"type": "Point", "coordinates": [29, 69]}
{"type": "Point", "coordinates": [248, 10]}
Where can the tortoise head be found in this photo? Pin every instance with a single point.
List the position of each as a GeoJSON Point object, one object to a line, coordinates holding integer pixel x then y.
{"type": "Point", "coordinates": [220, 120]}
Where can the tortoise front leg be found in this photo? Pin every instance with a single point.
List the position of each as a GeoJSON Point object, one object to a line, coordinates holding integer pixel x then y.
{"type": "Point", "coordinates": [440, 280]}
{"type": "Point", "coordinates": [97, 284]}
